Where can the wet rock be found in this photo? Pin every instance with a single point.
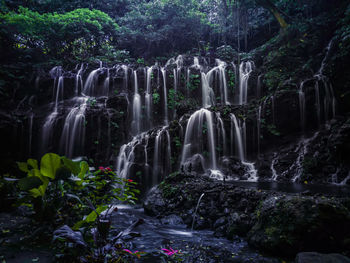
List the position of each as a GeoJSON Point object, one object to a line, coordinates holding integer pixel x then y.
{"type": "Point", "coordinates": [172, 220]}
{"type": "Point", "coordinates": [220, 222]}
{"type": "Point", "coordinates": [287, 225]}
{"type": "Point", "coordinates": [313, 257]}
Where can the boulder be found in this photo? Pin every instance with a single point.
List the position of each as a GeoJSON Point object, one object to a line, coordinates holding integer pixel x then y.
{"type": "Point", "coordinates": [313, 257]}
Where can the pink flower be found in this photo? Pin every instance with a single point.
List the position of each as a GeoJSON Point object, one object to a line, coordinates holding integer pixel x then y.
{"type": "Point", "coordinates": [170, 251]}
{"type": "Point", "coordinates": [127, 250]}
{"type": "Point", "coordinates": [108, 169]}
{"type": "Point", "coordinates": [101, 168]}
{"type": "Point", "coordinates": [130, 181]}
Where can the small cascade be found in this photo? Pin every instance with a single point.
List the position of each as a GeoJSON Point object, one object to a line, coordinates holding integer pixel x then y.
{"type": "Point", "coordinates": [272, 167]}
{"type": "Point", "coordinates": [240, 139]}
{"type": "Point", "coordinates": [162, 155]}
{"type": "Point", "coordinates": [136, 108]}
{"type": "Point", "coordinates": [73, 134]}
{"type": "Point", "coordinates": [47, 132]}
{"type": "Point", "coordinates": [165, 96]}
{"type": "Point", "coordinates": [148, 96]}
{"type": "Point", "coordinates": [78, 80]}
{"type": "Point", "coordinates": [297, 166]}
{"type": "Point", "coordinates": [221, 134]}
{"type": "Point", "coordinates": [302, 105]}
{"type": "Point", "coordinates": [221, 66]}
{"type": "Point", "coordinates": [195, 211]}
{"type": "Point", "coordinates": [91, 83]}
{"type": "Point", "coordinates": [208, 96]}
{"type": "Point", "coordinates": [127, 154]}
{"type": "Point", "coordinates": [245, 69]}
{"type": "Point", "coordinates": [196, 131]}
{"type": "Point", "coordinates": [105, 91]}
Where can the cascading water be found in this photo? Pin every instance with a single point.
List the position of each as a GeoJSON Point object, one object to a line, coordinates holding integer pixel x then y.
{"type": "Point", "coordinates": [194, 138]}
{"type": "Point", "coordinates": [73, 134]}
{"type": "Point", "coordinates": [165, 101]}
{"type": "Point", "coordinates": [79, 80]}
{"type": "Point", "coordinates": [136, 108]}
{"type": "Point", "coordinates": [245, 69]}
{"type": "Point", "coordinates": [91, 83]}
{"type": "Point", "coordinates": [148, 96]}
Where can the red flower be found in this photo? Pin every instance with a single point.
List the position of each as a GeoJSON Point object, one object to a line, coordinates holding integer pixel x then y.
{"type": "Point", "coordinates": [129, 180]}
{"type": "Point", "coordinates": [101, 168]}
{"type": "Point", "coordinates": [108, 169]}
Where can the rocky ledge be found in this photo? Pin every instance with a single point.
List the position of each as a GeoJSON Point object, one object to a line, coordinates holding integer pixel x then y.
{"type": "Point", "coordinates": [278, 223]}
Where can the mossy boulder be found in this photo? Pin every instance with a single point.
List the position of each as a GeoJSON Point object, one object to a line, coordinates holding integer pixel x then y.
{"type": "Point", "coordinates": [288, 225]}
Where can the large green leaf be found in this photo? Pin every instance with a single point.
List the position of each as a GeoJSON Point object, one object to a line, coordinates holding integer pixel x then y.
{"type": "Point", "coordinates": [74, 167]}
{"type": "Point", "coordinates": [49, 164]}
{"type": "Point", "coordinates": [84, 168]}
{"type": "Point", "coordinates": [23, 166]}
{"type": "Point", "coordinates": [90, 218]}
{"type": "Point", "coordinates": [33, 163]}
{"type": "Point", "coordinates": [30, 182]}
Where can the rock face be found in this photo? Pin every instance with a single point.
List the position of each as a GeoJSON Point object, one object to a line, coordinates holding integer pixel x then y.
{"type": "Point", "coordinates": [290, 224]}
{"type": "Point", "coordinates": [276, 223]}
{"type": "Point", "coordinates": [313, 257]}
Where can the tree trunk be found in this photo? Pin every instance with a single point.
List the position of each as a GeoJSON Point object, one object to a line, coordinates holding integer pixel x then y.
{"type": "Point", "coordinates": [277, 13]}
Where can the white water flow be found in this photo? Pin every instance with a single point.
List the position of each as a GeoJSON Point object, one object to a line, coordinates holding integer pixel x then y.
{"type": "Point", "coordinates": [91, 83]}
{"type": "Point", "coordinates": [297, 166]}
{"type": "Point", "coordinates": [59, 92]}
{"type": "Point", "coordinates": [106, 84]}
{"type": "Point", "coordinates": [245, 69]}
{"type": "Point", "coordinates": [221, 134]}
{"type": "Point", "coordinates": [199, 130]}
{"type": "Point", "coordinates": [223, 82]}
{"type": "Point", "coordinates": [47, 131]}
{"type": "Point", "coordinates": [165, 96]}
{"type": "Point", "coordinates": [136, 108]}
{"type": "Point", "coordinates": [208, 96]}
{"type": "Point", "coordinates": [195, 211]}
{"type": "Point", "coordinates": [302, 105]}
{"type": "Point", "coordinates": [273, 109]}
{"type": "Point", "coordinates": [161, 160]}
{"type": "Point", "coordinates": [73, 134]}
{"type": "Point", "coordinates": [272, 167]}
{"type": "Point", "coordinates": [240, 147]}
{"type": "Point", "coordinates": [148, 96]}
{"type": "Point", "coordinates": [127, 154]}
{"type": "Point", "coordinates": [78, 80]}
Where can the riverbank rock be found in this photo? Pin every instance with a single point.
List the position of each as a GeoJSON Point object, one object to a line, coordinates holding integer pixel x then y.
{"type": "Point", "coordinates": [290, 224]}
{"type": "Point", "coordinates": [274, 222]}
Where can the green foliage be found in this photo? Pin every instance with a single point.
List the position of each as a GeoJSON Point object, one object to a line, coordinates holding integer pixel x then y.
{"type": "Point", "coordinates": [156, 97]}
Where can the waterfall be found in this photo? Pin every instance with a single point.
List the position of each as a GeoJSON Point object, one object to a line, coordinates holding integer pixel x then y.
{"type": "Point", "coordinates": [194, 137]}
{"type": "Point", "coordinates": [91, 83]}
{"type": "Point", "coordinates": [78, 80]}
{"type": "Point", "coordinates": [161, 160]}
{"type": "Point", "coordinates": [165, 96]}
{"type": "Point", "coordinates": [240, 138]}
{"type": "Point", "coordinates": [106, 85]}
{"type": "Point", "coordinates": [136, 108]}
{"type": "Point", "coordinates": [127, 154]}
{"type": "Point", "coordinates": [148, 96]}
{"type": "Point", "coordinates": [223, 82]}
{"type": "Point", "coordinates": [272, 167]}
{"type": "Point", "coordinates": [195, 211]}
{"type": "Point", "coordinates": [302, 105]}
{"type": "Point", "coordinates": [73, 134]}
{"type": "Point", "coordinates": [47, 131]}
{"type": "Point", "coordinates": [221, 131]}
{"type": "Point", "coordinates": [208, 96]}
{"type": "Point", "coordinates": [245, 69]}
